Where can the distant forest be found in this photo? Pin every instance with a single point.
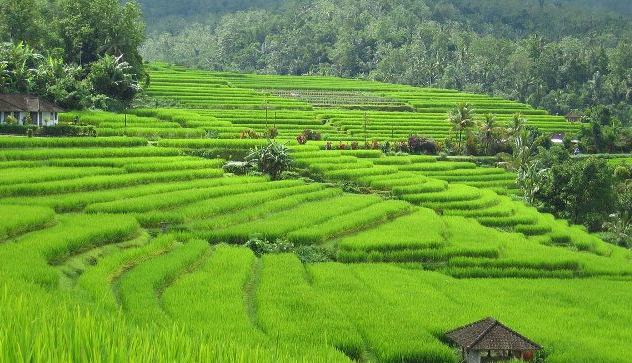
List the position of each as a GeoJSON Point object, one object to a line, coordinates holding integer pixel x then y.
{"type": "Point", "coordinates": [555, 55]}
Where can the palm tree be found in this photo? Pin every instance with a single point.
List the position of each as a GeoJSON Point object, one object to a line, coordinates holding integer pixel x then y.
{"type": "Point", "coordinates": [516, 125]}
{"type": "Point", "coordinates": [462, 118]}
{"type": "Point", "coordinates": [487, 128]}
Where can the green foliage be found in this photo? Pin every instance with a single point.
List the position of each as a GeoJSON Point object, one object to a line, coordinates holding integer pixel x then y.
{"type": "Point", "coordinates": [462, 118]}
{"type": "Point", "coordinates": [261, 246]}
{"type": "Point", "coordinates": [11, 120]}
{"type": "Point", "coordinates": [21, 21]}
{"type": "Point", "coordinates": [622, 173]}
{"type": "Point", "coordinates": [237, 167]}
{"type": "Point", "coordinates": [271, 132]}
{"type": "Point", "coordinates": [112, 77]}
{"type": "Point", "coordinates": [543, 55]}
{"type": "Point", "coordinates": [579, 190]}
{"type": "Point", "coordinates": [79, 59]}
{"type": "Point", "coordinates": [272, 159]}
{"type": "Point", "coordinates": [57, 130]}
{"type": "Point", "coordinates": [86, 32]}
{"type": "Point", "coordinates": [620, 223]}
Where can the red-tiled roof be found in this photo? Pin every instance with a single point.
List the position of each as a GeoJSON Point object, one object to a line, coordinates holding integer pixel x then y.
{"type": "Point", "coordinates": [490, 334]}
{"type": "Point", "coordinates": [20, 102]}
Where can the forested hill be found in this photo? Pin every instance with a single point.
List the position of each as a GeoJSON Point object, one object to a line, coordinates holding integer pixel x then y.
{"type": "Point", "coordinates": [555, 55]}
{"type": "Point", "coordinates": [519, 16]}
{"type": "Point", "coordinates": [173, 15]}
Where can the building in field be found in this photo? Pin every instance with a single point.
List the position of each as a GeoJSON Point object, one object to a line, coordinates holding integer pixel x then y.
{"type": "Point", "coordinates": [489, 340]}
{"type": "Point", "coordinates": [573, 117]}
{"type": "Point", "coordinates": [21, 106]}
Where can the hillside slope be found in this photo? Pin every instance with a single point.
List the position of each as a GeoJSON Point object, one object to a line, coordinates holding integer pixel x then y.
{"type": "Point", "coordinates": [141, 245]}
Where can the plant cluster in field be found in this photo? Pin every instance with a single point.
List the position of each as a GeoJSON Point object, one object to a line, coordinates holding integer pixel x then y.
{"type": "Point", "coordinates": [272, 159]}
{"type": "Point", "coordinates": [307, 254]}
{"type": "Point", "coordinates": [57, 130]}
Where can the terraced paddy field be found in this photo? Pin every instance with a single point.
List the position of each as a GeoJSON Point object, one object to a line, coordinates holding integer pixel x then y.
{"type": "Point", "coordinates": [130, 246]}
{"type": "Point", "coordinates": [115, 248]}
{"type": "Point", "coordinates": [341, 109]}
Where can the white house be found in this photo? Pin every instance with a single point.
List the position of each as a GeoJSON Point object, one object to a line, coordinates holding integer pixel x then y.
{"type": "Point", "coordinates": [20, 106]}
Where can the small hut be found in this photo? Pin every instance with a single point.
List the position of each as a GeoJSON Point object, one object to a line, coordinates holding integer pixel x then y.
{"type": "Point", "coordinates": [489, 340]}
{"type": "Point", "coordinates": [573, 117]}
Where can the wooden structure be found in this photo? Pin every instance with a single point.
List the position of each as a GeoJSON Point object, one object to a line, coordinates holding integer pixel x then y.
{"type": "Point", "coordinates": [489, 340]}
{"type": "Point", "coordinates": [573, 117]}
{"type": "Point", "coordinates": [43, 113]}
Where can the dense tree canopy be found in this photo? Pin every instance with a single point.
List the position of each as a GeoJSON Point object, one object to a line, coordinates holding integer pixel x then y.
{"type": "Point", "coordinates": [554, 55]}
{"type": "Point", "coordinates": [579, 190]}
{"type": "Point", "coordinates": [57, 48]}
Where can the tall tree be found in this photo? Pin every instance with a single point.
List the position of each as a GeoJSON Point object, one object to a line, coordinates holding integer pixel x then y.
{"type": "Point", "coordinates": [112, 77]}
{"type": "Point", "coordinates": [91, 29]}
{"type": "Point", "coordinates": [580, 190]}
{"type": "Point", "coordinates": [487, 129]}
{"type": "Point", "coordinates": [21, 21]}
{"type": "Point", "coordinates": [462, 118]}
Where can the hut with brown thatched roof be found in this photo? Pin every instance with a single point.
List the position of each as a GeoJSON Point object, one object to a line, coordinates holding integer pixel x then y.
{"type": "Point", "coordinates": [489, 340]}
{"type": "Point", "coordinates": [573, 117]}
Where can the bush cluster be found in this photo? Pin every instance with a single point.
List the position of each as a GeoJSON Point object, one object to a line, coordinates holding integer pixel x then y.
{"type": "Point", "coordinates": [307, 254]}
{"type": "Point", "coordinates": [57, 130]}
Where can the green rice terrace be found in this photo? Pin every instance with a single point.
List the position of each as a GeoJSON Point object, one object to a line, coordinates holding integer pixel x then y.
{"type": "Point", "coordinates": [137, 245]}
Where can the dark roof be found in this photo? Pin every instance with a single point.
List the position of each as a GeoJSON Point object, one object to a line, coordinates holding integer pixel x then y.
{"type": "Point", "coordinates": [5, 106]}
{"type": "Point", "coordinates": [490, 334]}
{"type": "Point", "coordinates": [19, 102]}
{"type": "Point", "coordinates": [573, 114]}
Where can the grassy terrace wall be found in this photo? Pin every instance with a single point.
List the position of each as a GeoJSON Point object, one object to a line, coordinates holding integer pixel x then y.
{"type": "Point", "coordinates": [129, 246]}
{"type": "Point", "coordinates": [394, 111]}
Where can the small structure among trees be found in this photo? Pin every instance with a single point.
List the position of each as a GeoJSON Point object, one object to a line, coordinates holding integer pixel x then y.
{"type": "Point", "coordinates": [27, 109]}
{"type": "Point", "coordinates": [489, 340]}
{"type": "Point", "coordinates": [573, 117]}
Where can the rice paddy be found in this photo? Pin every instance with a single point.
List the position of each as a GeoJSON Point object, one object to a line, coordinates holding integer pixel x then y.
{"type": "Point", "coordinates": [130, 247]}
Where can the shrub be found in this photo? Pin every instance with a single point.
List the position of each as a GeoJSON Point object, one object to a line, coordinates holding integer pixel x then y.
{"type": "Point", "coordinates": [400, 147]}
{"type": "Point", "coordinates": [14, 129]}
{"type": "Point", "coordinates": [386, 147]}
{"type": "Point", "coordinates": [309, 134]}
{"type": "Point", "coordinates": [67, 130]}
{"type": "Point", "coordinates": [422, 145]}
{"type": "Point", "coordinates": [237, 167]}
{"type": "Point", "coordinates": [622, 173]}
{"type": "Point", "coordinates": [250, 134]}
{"type": "Point", "coordinates": [11, 120]}
{"type": "Point", "coordinates": [271, 132]}
{"type": "Point", "coordinates": [272, 159]}
{"type": "Point", "coordinates": [261, 246]}
{"type": "Point", "coordinates": [313, 254]}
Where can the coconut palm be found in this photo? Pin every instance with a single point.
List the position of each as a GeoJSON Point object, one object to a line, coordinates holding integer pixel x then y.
{"type": "Point", "coordinates": [462, 118]}
{"type": "Point", "coordinates": [516, 125]}
{"type": "Point", "coordinates": [487, 127]}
